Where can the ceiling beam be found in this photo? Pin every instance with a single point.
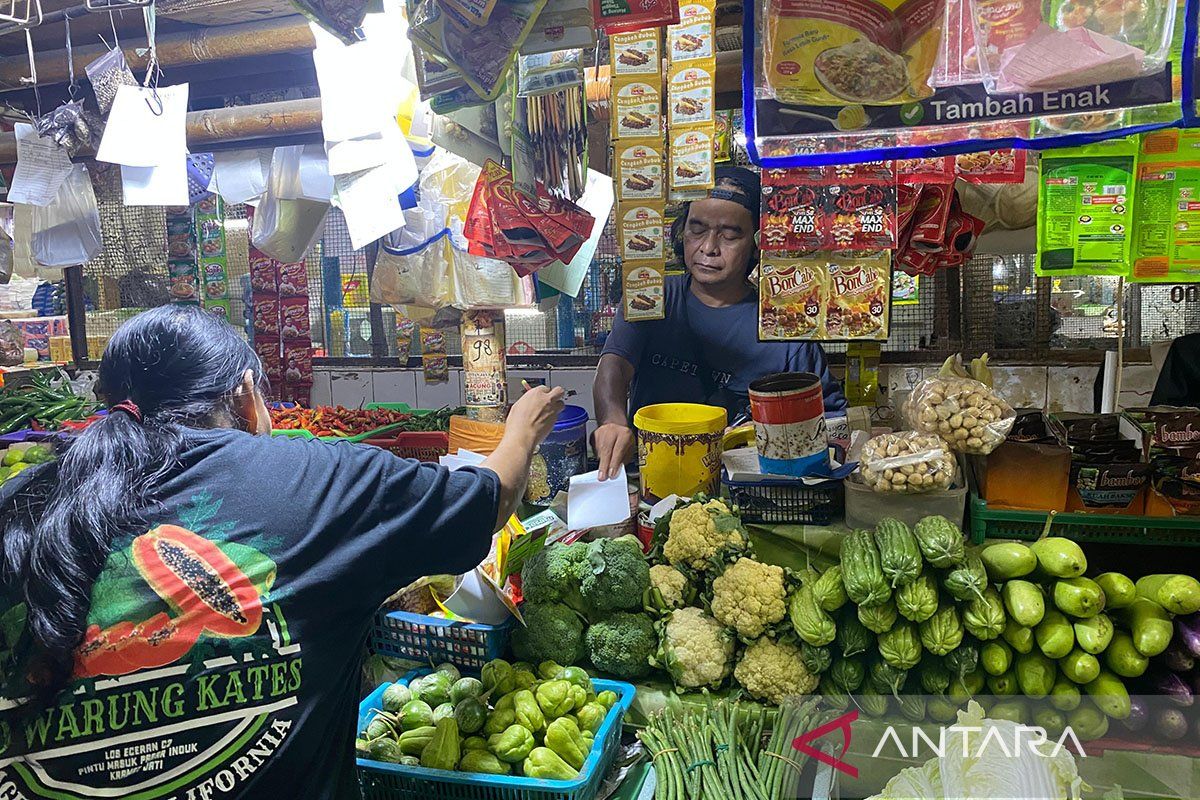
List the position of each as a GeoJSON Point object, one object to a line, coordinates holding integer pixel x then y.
{"type": "Point", "coordinates": [202, 46]}
{"type": "Point", "coordinates": [289, 118]}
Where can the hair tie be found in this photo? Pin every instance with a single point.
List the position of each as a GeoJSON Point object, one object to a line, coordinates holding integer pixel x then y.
{"type": "Point", "coordinates": [130, 408]}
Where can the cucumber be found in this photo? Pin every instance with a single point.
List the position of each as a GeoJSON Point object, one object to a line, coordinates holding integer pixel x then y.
{"type": "Point", "coordinates": [1008, 560]}
{"type": "Point", "coordinates": [1119, 591]}
{"type": "Point", "coordinates": [1024, 602]}
{"type": "Point", "coordinates": [1148, 624]}
{"type": "Point", "coordinates": [1094, 634]}
{"type": "Point", "coordinates": [1054, 634]}
{"type": "Point", "coordinates": [1059, 557]}
{"type": "Point", "coordinates": [1109, 694]}
{"type": "Point", "coordinates": [1179, 594]}
{"type": "Point", "coordinates": [1079, 597]}
{"type": "Point", "coordinates": [1080, 667]}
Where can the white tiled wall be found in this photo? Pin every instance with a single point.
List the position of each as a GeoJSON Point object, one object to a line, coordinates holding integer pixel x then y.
{"type": "Point", "coordinates": [1058, 388]}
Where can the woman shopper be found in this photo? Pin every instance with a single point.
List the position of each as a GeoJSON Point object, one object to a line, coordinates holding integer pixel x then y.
{"type": "Point", "coordinates": [187, 603]}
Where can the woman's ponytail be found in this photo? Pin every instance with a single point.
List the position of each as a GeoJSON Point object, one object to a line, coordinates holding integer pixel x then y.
{"type": "Point", "coordinates": [165, 370]}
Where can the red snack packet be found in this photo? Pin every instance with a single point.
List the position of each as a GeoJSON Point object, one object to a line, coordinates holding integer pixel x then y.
{"type": "Point", "coordinates": [936, 169]}
{"type": "Point", "coordinates": [907, 196]}
{"type": "Point", "coordinates": [962, 234]}
{"type": "Point", "coordinates": [293, 279]}
{"type": "Point", "coordinates": [294, 314]}
{"type": "Point", "coordinates": [620, 16]}
{"type": "Point", "coordinates": [992, 166]}
{"type": "Point", "coordinates": [263, 277]}
{"type": "Point", "coordinates": [477, 227]}
{"type": "Point", "coordinates": [265, 314]}
{"type": "Point", "coordinates": [792, 218]}
{"type": "Point", "coordinates": [860, 216]}
{"type": "Point", "coordinates": [929, 220]}
{"type": "Point", "coordinates": [268, 347]}
{"type": "Point", "coordinates": [914, 262]}
{"type": "Point", "coordinates": [297, 363]}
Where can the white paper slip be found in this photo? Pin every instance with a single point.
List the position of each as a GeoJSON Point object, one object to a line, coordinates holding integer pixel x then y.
{"type": "Point", "coordinates": [371, 202]}
{"type": "Point", "coordinates": [360, 90]}
{"type": "Point", "coordinates": [470, 456]}
{"type": "Point", "coordinates": [662, 507]}
{"type": "Point", "coordinates": [42, 166]}
{"type": "Point", "coordinates": [137, 136]}
{"type": "Point", "coordinates": [592, 502]}
{"type": "Point", "coordinates": [240, 175]}
{"type": "Point", "coordinates": [164, 185]}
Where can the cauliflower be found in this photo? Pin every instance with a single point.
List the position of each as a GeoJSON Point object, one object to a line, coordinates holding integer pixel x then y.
{"type": "Point", "coordinates": [696, 649]}
{"type": "Point", "coordinates": [772, 671]}
{"type": "Point", "coordinates": [669, 589]}
{"type": "Point", "coordinates": [749, 597]}
{"type": "Point", "coordinates": [699, 532]}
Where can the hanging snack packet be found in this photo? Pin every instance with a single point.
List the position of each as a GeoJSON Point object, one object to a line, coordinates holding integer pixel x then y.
{"type": "Point", "coordinates": [342, 18]}
{"type": "Point", "coordinates": [860, 215]}
{"type": "Point", "coordinates": [1085, 209]}
{"type": "Point", "coordinates": [618, 16]}
{"type": "Point", "coordinates": [860, 288]}
{"type": "Point", "coordinates": [723, 136]}
{"type": "Point", "coordinates": [637, 106]}
{"type": "Point", "coordinates": [469, 14]}
{"type": "Point", "coordinates": [642, 293]}
{"type": "Point", "coordinates": [641, 231]}
{"type": "Point", "coordinates": [792, 296]}
{"type": "Point", "coordinates": [792, 216]}
{"type": "Point", "coordinates": [693, 39]}
{"type": "Point", "coordinates": [1167, 234]}
{"type": "Point", "coordinates": [875, 52]}
{"type": "Point", "coordinates": [637, 52]}
{"type": "Point", "coordinates": [692, 163]}
{"type": "Point", "coordinates": [928, 230]}
{"type": "Point", "coordinates": [690, 94]}
{"type": "Point", "coordinates": [639, 169]}
{"type": "Point", "coordinates": [483, 55]}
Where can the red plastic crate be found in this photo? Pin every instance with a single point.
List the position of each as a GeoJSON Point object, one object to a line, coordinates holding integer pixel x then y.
{"type": "Point", "coordinates": [421, 445]}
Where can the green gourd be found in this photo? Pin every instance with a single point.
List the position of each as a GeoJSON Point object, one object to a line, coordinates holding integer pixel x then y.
{"type": "Point", "coordinates": [899, 553]}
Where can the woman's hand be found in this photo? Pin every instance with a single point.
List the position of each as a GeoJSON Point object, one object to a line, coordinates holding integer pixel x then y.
{"type": "Point", "coordinates": [535, 412]}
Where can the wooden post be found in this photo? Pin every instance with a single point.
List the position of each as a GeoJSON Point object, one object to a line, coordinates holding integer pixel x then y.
{"type": "Point", "coordinates": [203, 46]}
{"type": "Point", "coordinates": [76, 316]}
{"type": "Point", "coordinates": [236, 124]}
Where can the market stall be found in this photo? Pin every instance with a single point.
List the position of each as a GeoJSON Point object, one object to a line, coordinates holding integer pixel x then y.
{"type": "Point", "coordinates": [774, 579]}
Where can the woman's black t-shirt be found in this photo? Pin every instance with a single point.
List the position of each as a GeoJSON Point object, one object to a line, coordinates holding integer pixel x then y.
{"type": "Point", "coordinates": [224, 641]}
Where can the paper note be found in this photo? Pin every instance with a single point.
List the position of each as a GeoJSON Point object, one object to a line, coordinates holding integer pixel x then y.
{"type": "Point", "coordinates": [240, 175]}
{"type": "Point", "coordinates": [164, 185]}
{"type": "Point", "coordinates": [597, 200]}
{"type": "Point", "coordinates": [371, 202]}
{"type": "Point", "coordinates": [42, 166]}
{"type": "Point", "coordinates": [137, 136]}
{"type": "Point", "coordinates": [361, 84]}
{"type": "Point", "coordinates": [592, 502]}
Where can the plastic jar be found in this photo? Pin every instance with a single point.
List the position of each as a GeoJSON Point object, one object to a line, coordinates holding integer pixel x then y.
{"type": "Point", "coordinates": [561, 455]}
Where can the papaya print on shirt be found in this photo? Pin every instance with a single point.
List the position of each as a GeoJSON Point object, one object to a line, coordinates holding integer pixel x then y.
{"type": "Point", "coordinates": [186, 670]}
{"type": "Point", "coordinates": [222, 653]}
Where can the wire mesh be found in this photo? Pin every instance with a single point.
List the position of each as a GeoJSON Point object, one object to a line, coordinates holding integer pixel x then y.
{"type": "Point", "coordinates": [994, 303]}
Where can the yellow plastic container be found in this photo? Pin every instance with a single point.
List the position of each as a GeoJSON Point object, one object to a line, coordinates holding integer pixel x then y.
{"type": "Point", "coordinates": [679, 449]}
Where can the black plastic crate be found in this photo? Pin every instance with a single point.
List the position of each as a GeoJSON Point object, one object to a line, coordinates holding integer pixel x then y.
{"type": "Point", "coordinates": [781, 501]}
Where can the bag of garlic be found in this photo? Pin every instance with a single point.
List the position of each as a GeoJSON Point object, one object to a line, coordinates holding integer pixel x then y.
{"type": "Point", "coordinates": [968, 414]}
{"type": "Point", "coordinates": [909, 462]}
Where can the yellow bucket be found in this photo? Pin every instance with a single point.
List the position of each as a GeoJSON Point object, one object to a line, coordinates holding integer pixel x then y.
{"type": "Point", "coordinates": [679, 449]}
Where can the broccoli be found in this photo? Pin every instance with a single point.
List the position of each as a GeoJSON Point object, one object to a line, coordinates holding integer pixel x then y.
{"type": "Point", "coordinates": [552, 631]}
{"type": "Point", "coordinates": [622, 644]}
{"type": "Point", "coordinates": [552, 575]}
{"type": "Point", "coordinates": [615, 575]}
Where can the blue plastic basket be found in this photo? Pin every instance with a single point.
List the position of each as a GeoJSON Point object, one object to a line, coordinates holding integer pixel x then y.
{"type": "Point", "coordinates": [380, 781]}
{"type": "Point", "coordinates": [435, 640]}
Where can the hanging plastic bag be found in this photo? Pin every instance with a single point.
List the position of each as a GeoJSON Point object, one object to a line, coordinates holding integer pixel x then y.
{"type": "Point", "coordinates": [968, 414]}
{"type": "Point", "coordinates": [291, 216]}
{"type": "Point", "coordinates": [480, 282]}
{"type": "Point", "coordinates": [408, 274]}
{"type": "Point", "coordinates": [67, 231]}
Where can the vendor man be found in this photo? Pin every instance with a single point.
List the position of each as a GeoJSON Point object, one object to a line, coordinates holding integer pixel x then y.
{"type": "Point", "coordinates": [706, 349]}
